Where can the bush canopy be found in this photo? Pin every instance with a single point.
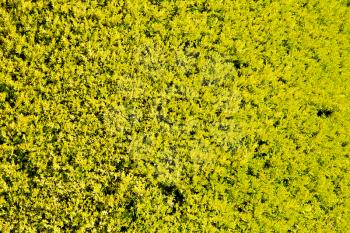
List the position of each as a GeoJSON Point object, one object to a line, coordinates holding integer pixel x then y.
{"type": "Point", "coordinates": [174, 116]}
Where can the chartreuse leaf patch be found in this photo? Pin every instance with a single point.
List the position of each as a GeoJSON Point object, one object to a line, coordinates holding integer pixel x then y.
{"type": "Point", "coordinates": [174, 116]}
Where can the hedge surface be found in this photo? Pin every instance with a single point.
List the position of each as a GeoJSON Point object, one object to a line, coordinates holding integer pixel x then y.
{"type": "Point", "coordinates": [174, 116]}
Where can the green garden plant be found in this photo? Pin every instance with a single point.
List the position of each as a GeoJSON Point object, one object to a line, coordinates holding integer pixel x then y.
{"type": "Point", "coordinates": [174, 116]}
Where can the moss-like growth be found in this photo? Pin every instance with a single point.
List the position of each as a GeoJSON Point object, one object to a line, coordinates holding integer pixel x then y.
{"type": "Point", "coordinates": [174, 116]}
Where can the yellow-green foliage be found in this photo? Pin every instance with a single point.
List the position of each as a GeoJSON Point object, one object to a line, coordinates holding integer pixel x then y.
{"type": "Point", "coordinates": [174, 116]}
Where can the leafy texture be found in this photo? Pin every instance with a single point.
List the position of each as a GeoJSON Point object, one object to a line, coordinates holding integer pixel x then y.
{"type": "Point", "coordinates": [174, 116]}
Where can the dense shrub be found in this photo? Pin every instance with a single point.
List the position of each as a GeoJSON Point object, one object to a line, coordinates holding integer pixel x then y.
{"type": "Point", "coordinates": [174, 116]}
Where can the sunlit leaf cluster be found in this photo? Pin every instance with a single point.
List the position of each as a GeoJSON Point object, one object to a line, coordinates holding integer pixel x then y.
{"type": "Point", "coordinates": [174, 116]}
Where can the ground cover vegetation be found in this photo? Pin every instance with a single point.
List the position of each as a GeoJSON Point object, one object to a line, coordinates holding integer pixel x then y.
{"type": "Point", "coordinates": [174, 116]}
